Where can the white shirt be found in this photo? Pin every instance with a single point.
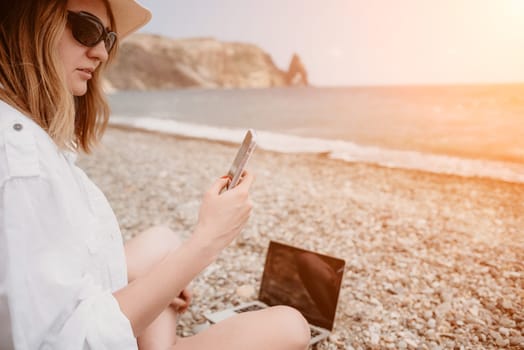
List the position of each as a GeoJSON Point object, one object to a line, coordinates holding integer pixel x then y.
{"type": "Point", "coordinates": [61, 251]}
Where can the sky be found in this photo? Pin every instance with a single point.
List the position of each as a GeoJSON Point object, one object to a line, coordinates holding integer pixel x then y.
{"type": "Point", "coordinates": [364, 42]}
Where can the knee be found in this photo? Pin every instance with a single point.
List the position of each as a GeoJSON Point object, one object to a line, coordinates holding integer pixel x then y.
{"type": "Point", "coordinates": [148, 248]}
{"type": "Point", "coordinates": [294, 326]}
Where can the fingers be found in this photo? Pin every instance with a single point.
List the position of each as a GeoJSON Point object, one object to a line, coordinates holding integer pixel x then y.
{"type": "Point", "coordinates": [178, 302]}
{"type": "Point", "coordinates": [218, 185]}
{"type": "Point", "coordinates": [246, 180]}
{"type": "Point", "coordinates": [179, 305]}
{"type": "Point", "coordinates": [185, 295]}
{"type": "Point", "coordinates": [182, 301]}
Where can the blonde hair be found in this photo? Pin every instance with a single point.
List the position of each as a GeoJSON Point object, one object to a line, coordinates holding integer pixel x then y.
{"type": "Point", "coordinates": [32, 79]}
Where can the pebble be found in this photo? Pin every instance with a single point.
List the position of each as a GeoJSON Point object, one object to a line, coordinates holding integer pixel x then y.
{"type": "Point", "coordinates": [245, 291]}
{"type": "Point", "coordinates": [502, 342]}
{"type": "Point", "coordinates": [442, 310]}
{"type": "Point", "coordinates": [431, 334]}
{"type": "Point", "coordinates": [506, 304]}
{"type": "Point", "coordinates": [504, 331]}
{"type": "Point", "coordinates": [432, 323]}
{"type": "Point", "coordinates": [495, 335]}
{"type": "Point", "coordinates": [374, 333]}
{"type": "Point", "coordinates": [517, 340]}
{"type": "Point", "coordinates": [508, 323]}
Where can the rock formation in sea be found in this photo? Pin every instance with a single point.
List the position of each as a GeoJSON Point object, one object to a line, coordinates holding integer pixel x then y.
{"type": "Point", "coordinates": [152, 62]}
{"type": "Point", "coordinates": [296, 73]}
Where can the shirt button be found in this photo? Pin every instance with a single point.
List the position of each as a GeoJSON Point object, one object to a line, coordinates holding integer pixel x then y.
{"type": "Point", "coordinates": [18, 127]}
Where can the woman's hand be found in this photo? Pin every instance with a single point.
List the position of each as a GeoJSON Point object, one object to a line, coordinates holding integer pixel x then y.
{"type": "Point", "coordinates": [182, 301]}
{"type": "Point", "coordinates": [223, 215]}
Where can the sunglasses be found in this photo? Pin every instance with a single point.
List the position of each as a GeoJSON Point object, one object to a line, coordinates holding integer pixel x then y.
{"type": "Point", "coordinates": [88, 30]}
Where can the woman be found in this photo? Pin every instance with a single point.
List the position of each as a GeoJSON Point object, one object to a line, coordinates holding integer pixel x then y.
{"type": "Point", "coordinates": [66, 280]}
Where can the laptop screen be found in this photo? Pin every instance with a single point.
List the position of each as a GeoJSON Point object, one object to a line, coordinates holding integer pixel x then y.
{"type": "Point", "coordinates": [305, 280]}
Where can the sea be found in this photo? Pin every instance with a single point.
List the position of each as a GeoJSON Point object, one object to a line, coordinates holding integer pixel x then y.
{"type": "Point", "coordinates": [465, 130]}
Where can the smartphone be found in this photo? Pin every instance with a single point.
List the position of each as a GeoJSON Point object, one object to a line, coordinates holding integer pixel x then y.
{"type": "Point", "coordinates": [243, 154]}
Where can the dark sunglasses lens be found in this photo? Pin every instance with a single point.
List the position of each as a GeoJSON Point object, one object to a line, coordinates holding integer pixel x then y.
{"type": "Point", "coordinates": [86, 31]}
{"type": "Point", "coordinates": [110, 41]}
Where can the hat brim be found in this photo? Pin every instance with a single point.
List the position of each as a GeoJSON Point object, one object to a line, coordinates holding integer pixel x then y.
{"type": "Point", "coordinates": [129, 16]}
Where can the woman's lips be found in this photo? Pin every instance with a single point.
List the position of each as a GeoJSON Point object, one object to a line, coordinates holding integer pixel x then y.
{"type": "Point", "coordinates": [86, 73]}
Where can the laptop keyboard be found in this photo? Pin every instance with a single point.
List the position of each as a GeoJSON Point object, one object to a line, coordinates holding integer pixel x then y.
{"type": "Point", "coordinates": [253, 307]}
{"type": "Point", "coordinates": [314, 332]}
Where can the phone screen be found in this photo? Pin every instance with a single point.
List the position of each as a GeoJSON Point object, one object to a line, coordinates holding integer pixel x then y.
{"type": "Point", "coordinates": [243, 154]}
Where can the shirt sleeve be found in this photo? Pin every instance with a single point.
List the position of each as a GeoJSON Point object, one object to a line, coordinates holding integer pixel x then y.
{"type": "Point", "coordinates": [53, 299]}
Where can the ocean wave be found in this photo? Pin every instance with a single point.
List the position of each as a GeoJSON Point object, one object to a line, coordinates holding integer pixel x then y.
{"type": "Point", "coordinates": [335, 149]}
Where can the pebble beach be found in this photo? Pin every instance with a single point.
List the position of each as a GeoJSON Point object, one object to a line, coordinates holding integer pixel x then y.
{"type": "Point", "coordinates": [432, 261]}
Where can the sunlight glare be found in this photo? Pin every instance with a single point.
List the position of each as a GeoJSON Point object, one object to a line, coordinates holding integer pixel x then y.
{"type": "Point", "coordinates": [516, 8]}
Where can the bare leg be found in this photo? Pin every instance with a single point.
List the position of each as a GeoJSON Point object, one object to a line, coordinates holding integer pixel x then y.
{"type": "Point", "coordinates": [142, 253]}
{"type": "Point", "coordinates": [276, 328]}
{"type": "Point", "coordinates": [161, 334]}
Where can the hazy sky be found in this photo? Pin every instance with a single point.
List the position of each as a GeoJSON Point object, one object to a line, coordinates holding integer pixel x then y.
{"type": "Point", "coordinates": [355, 42]}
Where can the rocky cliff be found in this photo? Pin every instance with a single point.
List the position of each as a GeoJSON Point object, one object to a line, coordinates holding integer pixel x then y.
{"type": "Point", "coordinates": [148, 62]}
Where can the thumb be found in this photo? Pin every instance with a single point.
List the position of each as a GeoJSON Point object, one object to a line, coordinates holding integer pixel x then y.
{"type": "Point", "coordinates": [219, 184]}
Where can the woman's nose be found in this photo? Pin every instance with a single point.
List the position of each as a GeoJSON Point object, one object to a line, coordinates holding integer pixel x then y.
{"type": "Point", "coordinates": [99, 52]}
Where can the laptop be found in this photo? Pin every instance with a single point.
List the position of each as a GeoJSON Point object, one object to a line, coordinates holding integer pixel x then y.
{"type": "Point", "coordinates": [308, 281]}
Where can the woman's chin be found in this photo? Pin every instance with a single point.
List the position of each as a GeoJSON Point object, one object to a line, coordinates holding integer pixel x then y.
{"type": "Point", "coordinates": [79, 90]}
{"type": "Point", "coordinates": [78, 87]}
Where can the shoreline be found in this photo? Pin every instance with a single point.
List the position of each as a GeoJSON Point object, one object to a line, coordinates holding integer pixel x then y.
{"type": "Point", "coordinates": [432, 261]}
{"type": "Point", "coordinates": [320, 155]}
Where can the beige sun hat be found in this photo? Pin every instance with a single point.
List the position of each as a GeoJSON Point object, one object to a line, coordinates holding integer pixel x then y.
{"type": "Point", "coordinates": [129, 16]}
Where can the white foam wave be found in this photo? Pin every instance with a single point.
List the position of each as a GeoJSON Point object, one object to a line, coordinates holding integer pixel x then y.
{"type": "Point", "coordinates": [337, 149]}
